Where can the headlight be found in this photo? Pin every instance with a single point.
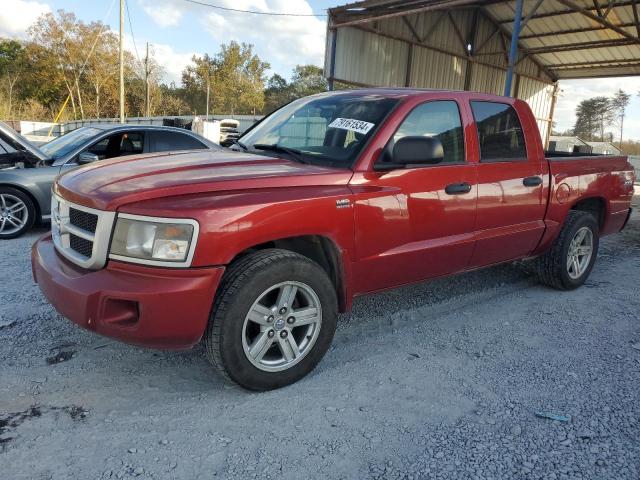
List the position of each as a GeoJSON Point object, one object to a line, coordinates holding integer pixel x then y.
{"type": "Point", "coordinates": [154, 241]}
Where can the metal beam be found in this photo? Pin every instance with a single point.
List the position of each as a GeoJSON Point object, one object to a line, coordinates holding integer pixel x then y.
{"type": "Point", "coordinates": [513, 51]}
{"type": "Point", "coordinates": [597, 5]}
{"type": "Point", "coordinates": [555, 13]}
{"type": "Point", "coordinates": [596, 18]}
{"type": "Point", "coordinates": [599, 63]}
{"type": "Point", "coordinates": [569, 47]}
{"type": "Point", "coordinates": [504, 31]}
{"type": "Point", "coordinates": [635, 16]}
{"type": "Point", "coordinates": [367, 17]}
{"type": "Point", "coordinates": [411, 28]}
{"type": "Point", "coordinates": [458, 33]}
{"type": "Point", "coordinates": [608, 10]}
{"type": "Point", "coordinates": [530, 14]}
{"type": "Point", "coordinates": [486, 41]}
{"type": "Point", "coordinates": [573, 30]}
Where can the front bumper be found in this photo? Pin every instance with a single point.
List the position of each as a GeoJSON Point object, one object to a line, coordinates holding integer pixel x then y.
{"type": "Point", "coordinates": [152, 307]}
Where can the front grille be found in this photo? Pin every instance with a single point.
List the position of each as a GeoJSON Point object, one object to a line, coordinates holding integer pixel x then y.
{"type": "Point", "coordinates": [81, 245]}
{"type": "Point", "coordinates": [81, 234]}
{"type": "Point", "coordinates": [84, 220]}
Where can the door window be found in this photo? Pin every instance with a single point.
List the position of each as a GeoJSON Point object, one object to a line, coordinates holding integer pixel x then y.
{"type": "Point", "coordinates": [118, 145]}
{"type": "Point", "coordinates": [168, 141]}
{"type": "Point", "coordinates": [499, 132]}
{"type": "Point", "coordinates": [438, 119]}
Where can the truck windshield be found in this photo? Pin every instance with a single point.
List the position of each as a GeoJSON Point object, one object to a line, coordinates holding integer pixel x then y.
{"type": "Point", "coordinates": [66, 143]}
{"type": "Point", "coordinates": [324, 130]}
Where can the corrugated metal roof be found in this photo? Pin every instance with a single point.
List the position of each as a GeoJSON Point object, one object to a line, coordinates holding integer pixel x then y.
{"type": "Point", "coordinates": [561, 38]}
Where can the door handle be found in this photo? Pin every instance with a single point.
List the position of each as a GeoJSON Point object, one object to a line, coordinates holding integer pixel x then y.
{"type": "Point", "coordinates": [532, 181]}
{"type": "Point", "coordinates": [457, 188]}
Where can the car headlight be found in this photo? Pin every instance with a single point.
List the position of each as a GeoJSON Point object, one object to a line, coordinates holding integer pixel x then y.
{"type": "Point", "coordinates": [154, 241]}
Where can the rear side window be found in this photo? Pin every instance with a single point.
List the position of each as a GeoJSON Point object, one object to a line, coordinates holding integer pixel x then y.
{"type": "Point", "coordinates": [438, 119]}
{"type": "Point", "coordinates": [499, 132]}
{"type": "Point", "coordinates": [169, 141]}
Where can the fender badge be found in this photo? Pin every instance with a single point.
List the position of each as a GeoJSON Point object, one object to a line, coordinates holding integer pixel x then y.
{"type": "Point", "coordinates": [343, 203]}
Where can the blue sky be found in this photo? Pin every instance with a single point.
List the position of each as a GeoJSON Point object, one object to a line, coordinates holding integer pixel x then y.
{"type": "Point", "coordinates": [178, 29]}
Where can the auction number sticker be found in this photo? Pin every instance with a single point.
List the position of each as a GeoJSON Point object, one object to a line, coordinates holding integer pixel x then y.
{"type": "Point", "coordinates": [353, 125]}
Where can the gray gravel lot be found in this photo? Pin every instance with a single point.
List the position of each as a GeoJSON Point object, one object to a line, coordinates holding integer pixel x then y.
{"type": "Point", "coordinates": [441, 380]}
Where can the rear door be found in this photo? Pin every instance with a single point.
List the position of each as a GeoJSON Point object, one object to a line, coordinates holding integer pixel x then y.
{"type": "Point", "coordinates": [417, 223]}
{"type": "Point", "coordinates": [511, 171]}
{"type": "Point", "coordinates": [167, 141]}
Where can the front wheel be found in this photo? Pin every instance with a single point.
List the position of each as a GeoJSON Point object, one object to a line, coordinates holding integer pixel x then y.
{"type": "Point", "coordinates": [569, 261]}
{"type": "Point", "coordinates": [273, 320]}
{"type": "Point", "coordinates": [17, 213]}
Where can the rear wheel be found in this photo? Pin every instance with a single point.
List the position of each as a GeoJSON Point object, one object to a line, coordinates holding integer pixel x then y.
{"type": "Point", "coordinates": [17, 213]}
{"type": "Point", "coordinates": [273, 320]}
{"type": "Point", "coordinates": [569, 261]}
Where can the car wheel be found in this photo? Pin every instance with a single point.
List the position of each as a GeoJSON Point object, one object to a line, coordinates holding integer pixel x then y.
{"type": "Point", "coordinates": [569, 261]}
{"type": "Point", "coordinates": [273, 320]}
{"type": "Point", "coordinates": [17, 213]}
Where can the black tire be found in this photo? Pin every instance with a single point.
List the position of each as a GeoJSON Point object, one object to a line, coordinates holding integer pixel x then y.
{"type": "Point", "coordinates": [551, 267]}
{"type": "Point", "coordinates": [30, 212]}
{"type": "Point", "coordinates": [243, 283]}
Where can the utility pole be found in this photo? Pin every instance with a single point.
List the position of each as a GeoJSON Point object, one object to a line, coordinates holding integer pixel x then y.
{"type": "Point", "coordinates": [122, 61]}
{"type": "Point", "coordinates": [208, 90]}
{"type": "Point", "coordinates": [147, 106]}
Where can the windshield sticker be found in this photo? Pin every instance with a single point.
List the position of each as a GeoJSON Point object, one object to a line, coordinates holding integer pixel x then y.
{"type": "Point", "coordinates": [353, 125]}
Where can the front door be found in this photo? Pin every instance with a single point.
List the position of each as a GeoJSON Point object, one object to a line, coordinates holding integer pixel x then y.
{"type": "Point", "coordinates": [416, 223]}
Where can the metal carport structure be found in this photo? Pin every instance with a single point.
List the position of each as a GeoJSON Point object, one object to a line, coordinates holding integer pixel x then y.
{"type": "Point", "coordinates": [519, 48]}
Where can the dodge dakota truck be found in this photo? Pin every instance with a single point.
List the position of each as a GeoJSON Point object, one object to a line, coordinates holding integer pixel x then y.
{"type": "Point", "coordinates": [255, 250]}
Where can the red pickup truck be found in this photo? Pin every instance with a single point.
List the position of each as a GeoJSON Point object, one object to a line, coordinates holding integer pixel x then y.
{"type": "Point", "coordinates": [255, 250]}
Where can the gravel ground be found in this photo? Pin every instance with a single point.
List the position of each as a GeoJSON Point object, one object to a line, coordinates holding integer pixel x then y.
{"type": "Point", "coordinates": [441, 380]}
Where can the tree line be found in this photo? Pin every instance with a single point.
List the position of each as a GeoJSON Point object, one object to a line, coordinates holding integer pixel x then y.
{"type": "Point", "coordinates": [66, 60]}
{"type": "Point", "coordinates": [602, 119]}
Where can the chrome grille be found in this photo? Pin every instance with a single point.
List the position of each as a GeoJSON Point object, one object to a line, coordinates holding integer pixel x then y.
{"type": "Point", "coordinates": [81, 234]}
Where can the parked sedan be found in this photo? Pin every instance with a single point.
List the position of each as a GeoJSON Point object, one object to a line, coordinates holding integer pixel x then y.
{"type": "Point", "coordinates": [27, 171]}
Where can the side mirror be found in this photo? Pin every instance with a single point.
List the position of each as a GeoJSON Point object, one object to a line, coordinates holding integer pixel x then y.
{"type": "Point", "coordinates": [418, 150]}
{"type": "Point", "coordinates": [87, 157]}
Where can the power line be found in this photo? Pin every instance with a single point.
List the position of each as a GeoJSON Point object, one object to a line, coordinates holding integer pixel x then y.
{"type": "Point", "coordinates": [256, 12]}
{"type": "Point", "coordinates": [126, 4]}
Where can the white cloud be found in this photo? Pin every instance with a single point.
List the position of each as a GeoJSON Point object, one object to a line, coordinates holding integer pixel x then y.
{"type": "Point", "coordinates": [16, 16]}
{"type": "Point", "coordinates": [164, 13]}
{"type": "Point", "coordinates": [173, 62]}
{"type": "Point", "coordinates": [285, 39]}
{"type": "Point", "coordinates": [282, 40]}
{"type": "Point", "coordinates": [572, 92]}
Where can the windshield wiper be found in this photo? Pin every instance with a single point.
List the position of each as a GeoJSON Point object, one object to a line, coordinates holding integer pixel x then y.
{"type": "Point", "coordinates": [274, 147]}
{"type": "Point", "coordinates": [241, 145]}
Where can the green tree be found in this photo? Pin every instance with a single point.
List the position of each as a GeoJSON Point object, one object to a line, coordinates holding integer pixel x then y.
{"type": "Point", "coordinates": [308, 80]}
{"type": "Point", "coordinates": [13, 63]}
{"type": "Point", "coordinates": [235, 77]}
{"type": "Point", "coordinates": [619, 104]}
{"type": "Point", "coordinates": [305, 80]}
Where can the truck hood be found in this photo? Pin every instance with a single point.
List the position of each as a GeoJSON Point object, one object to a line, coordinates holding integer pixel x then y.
{"type": "Point", "coordinates": [107, 185]}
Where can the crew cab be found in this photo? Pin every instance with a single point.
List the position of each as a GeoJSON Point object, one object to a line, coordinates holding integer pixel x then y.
{"type": "Point", "coordinates": [255, 250]}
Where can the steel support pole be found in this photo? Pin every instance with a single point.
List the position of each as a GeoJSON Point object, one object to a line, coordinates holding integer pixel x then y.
{"type": "Point", "coordinates": [121, 52]}
{"type": "Point", "coordinates": [332, 58]}
{"type": "Point", "coordinates": [513, 52]}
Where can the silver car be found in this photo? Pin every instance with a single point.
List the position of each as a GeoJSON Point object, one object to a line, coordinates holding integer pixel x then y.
{"type": "Point", "coordinates": [28, 171]}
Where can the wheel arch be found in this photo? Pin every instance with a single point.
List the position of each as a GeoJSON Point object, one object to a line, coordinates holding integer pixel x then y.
{"type": "Point", "coordinates": [319, 248]}
{"type": "Point", "coordinates": [29, 194]}
{"type": "Point", "coordinates": [596, 206]}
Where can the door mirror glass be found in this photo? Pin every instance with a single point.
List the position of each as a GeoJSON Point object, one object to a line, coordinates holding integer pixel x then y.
{"type": "Point", "coordinates": [418, 150]}
{"type": "Point", "coordinates": [87, 157]}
